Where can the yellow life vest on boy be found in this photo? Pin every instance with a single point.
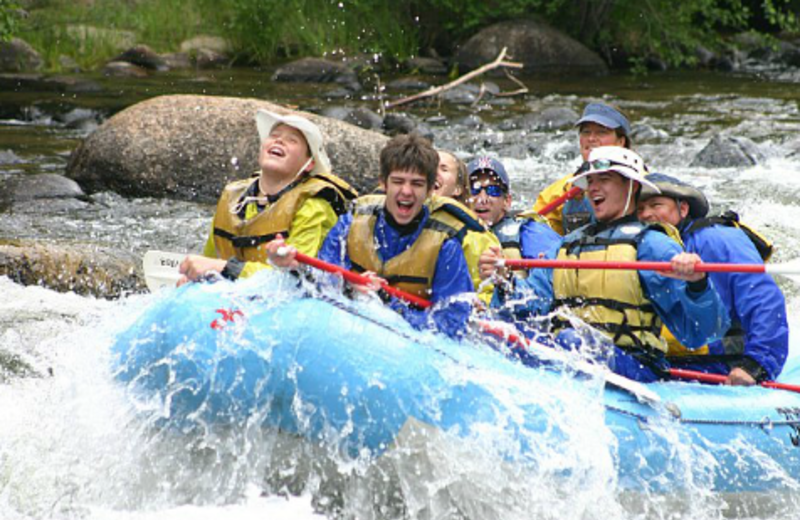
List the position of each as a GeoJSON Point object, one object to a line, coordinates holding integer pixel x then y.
{"type": "Point", "coordinates": [240, 230]}
{"type": "Point", "coordinates": [413, 269]}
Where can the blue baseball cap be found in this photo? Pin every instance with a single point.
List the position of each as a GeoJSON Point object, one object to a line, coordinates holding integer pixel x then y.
{"type": "Point", "coordinates": [486, 163]}
{"type": "Point", "coordinates": [605, 115]}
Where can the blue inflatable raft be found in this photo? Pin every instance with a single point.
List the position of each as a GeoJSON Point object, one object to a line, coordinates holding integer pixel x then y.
{"type": "Point", "coordinates": [353, 375]}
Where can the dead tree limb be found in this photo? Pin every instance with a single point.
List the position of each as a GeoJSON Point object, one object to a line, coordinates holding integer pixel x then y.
{"type": "Point", "coordinates": [498, 62]}
{"type": "Point", "coordinates": [521, 90]}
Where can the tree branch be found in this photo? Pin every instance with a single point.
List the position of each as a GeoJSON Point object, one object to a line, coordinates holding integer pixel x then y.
{"type": "Point", "coordinates": [498, 62]}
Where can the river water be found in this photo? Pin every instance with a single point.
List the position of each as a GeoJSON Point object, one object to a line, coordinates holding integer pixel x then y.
{"type": "Point", "coordinates": [70, 442]}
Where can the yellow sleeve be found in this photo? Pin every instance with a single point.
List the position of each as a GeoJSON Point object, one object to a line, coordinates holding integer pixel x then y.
{"type": "Point", "coordinates": [210, 250]}
{"type": "Point", "coordinates": [474, 244]}
{"type": "Point", "coordinates": [548, 195]}
{"type": "Point", "coordinates": [311, 224]}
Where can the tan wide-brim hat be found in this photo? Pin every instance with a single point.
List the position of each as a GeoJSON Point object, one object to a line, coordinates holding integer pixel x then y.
{"type": "Point", "coordinates": [617, 159]}
{"type": "Point", "coordinates": [266, 121]}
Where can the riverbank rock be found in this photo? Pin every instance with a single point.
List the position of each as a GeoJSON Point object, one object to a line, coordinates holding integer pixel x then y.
{"type": "Point", "coordinates": [728, 152]}
{"type": "Point", "coordinates": [18, 56]}
{"type": "Point", "coordinates": [541, 48]}
{"type": "Point", "coordinates": [86, 269]}
{"type": "Point", "coordinates": [25, 188]}
{"type": "Point", "coordinates": [213, 43]}
{"type": "Point", "coordinates": [23, 82]}
{"type": "Point", "coordinates": [188, 147]}
{"type": "Point", "coordinates": [142, 56]}
{"type": "Point", "coordinates": [317, 70]}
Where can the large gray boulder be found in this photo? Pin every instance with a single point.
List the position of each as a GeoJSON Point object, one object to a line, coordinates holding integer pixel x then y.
{"type": "Point", "coordinates": [541, 48]}
{"type": "Point", "coordinates": [18, 56]}
{"type": "Point", "coordinates": [189, 147]}
{"type": "Point", "coordinates": [728, 152]}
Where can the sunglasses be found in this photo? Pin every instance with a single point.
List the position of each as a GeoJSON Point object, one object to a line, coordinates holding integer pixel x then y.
{"type": "Point", "coordinates": [492, 190]}
{"type": "Point", "coordinates": [599, 165]}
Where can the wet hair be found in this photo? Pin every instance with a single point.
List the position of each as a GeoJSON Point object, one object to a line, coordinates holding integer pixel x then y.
{"type": "Point", "coordinates": [462, 179]}
{"type": "Point", "coordinates": [409, 152]}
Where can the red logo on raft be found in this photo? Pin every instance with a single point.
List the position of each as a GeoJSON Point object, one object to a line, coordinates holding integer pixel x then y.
{"type": "Point", "coordinates": [227, 315]}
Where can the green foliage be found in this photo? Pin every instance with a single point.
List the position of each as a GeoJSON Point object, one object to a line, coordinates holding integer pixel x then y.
{"type": "Point", "coordinates": [8, 19]}
{"type": "Point", "coordinates": [456, 20]}
{"type": "Point", "coordinates": [667, 29]}
{"type": "Point", "coordinates": [266, 30]}
{"type": "Point", "coordinates": [94, 35]}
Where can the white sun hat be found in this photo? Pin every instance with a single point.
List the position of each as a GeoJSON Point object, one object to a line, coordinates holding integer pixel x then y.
{"type": "Point", "coordinates": [614, 159]}
{"type": "Point", "coordinates": [266, 121]}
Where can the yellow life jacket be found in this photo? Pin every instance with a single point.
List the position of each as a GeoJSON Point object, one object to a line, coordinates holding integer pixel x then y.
{"type": "Point", "coordinates": [413, 269]}
{"type": "Point", "coordinates": [611, 301]}
{"type": "Point", "coordinates": [240, 229]}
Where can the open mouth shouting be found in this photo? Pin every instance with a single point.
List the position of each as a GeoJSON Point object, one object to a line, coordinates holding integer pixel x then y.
{"type": "Point", "coordinates": [276, 151]}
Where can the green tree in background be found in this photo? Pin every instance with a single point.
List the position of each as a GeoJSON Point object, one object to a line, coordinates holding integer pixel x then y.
{"type": "Point", "coordinates": [269, 31]}
{"type": "Point", "coordinates": [8, 19]}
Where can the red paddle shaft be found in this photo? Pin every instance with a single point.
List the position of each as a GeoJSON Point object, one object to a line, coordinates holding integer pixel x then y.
{"type": "Point", "coordinates": [693, 375]}
{"type": "Point", "coordinates": [632, 266]}
{"type": "Point", "coordinates": [560, 200]}
{"type": "Point", "coordinates": [352, 277]}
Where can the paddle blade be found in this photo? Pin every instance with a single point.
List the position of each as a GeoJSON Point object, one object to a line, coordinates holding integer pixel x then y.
{"type": "Point", "coordinates": [161, 269]}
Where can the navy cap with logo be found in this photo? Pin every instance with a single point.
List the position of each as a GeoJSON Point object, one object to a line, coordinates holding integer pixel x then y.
{"type": "Point", "coordinates": [606, 116]}
{"type": "Point", "coordinates": [488, 164]}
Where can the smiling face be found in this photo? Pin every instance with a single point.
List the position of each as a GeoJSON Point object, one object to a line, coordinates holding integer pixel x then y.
{"type": "Point", "coordinates": [608, 194]}
{"type": "Point", "coordinates": [406, 192]}
{"type": "Point", "coordinates": [592, 135]}
{"type": "Point", "coordinates": [490, 209]}
{"type": "Point", "coordinates": [447, 177]}
{"type": "Point", "coordinates": [662, 209]}
{"type": "Point", "coordinates": [283, 153]}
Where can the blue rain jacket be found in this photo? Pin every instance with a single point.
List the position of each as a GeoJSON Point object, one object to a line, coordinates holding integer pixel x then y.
{"type": "Point", "coordinates": [752, 299]}
{"type": "Point", "coordinates": [537, 237]}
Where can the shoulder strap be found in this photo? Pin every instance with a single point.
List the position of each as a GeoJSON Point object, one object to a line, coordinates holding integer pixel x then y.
{"type": "Point", "coordinates": [730, 218]}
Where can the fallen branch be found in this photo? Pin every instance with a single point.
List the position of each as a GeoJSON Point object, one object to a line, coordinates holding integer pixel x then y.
{"type": "Point", "coordinates": [498, 62]}
{"type": "Point", "coordinates": [521, 90]}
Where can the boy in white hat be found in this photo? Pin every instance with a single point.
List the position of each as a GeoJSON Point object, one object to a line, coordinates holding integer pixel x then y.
{"type": "Point", "coordinates": [627, 307]}
{"type": "Point", "coordinates": [294, 196]}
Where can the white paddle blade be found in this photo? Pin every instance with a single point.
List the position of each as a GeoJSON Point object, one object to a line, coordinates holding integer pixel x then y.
{"type": "Point", "coordinates": [790, 270]}
{"type": "Point", "coordinates": [161, 269]}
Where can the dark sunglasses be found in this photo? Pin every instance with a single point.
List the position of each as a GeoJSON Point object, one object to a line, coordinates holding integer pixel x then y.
{"type": "Point", "coordinates": [492, 190]}
{"type": "Point", "coordinates": [599, 165]}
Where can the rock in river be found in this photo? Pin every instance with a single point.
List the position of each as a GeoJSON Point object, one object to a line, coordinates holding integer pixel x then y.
{"type": "Point", "coordinates": [188, 147]}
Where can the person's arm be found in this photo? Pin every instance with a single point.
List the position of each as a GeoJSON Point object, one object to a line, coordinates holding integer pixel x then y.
{"type": "Point", "coordinates": [210, 249]}
{"type": "Point", "coordinates": [334, 247]}
{"type": "Point", "coordinates": [548, 195]}
{"type": "Point", "coordinates": [692, 311]}
{"type": "Point", "coordinates": [475, 244]}
{"type": "Point", "coordinates": [753, 299]}
{"type": "Point", "coordinates": [528, 296]}
{"type": "Point", "coordinates": [537, 239]}
{"type": "Point", "coordinates": [310, 225]}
